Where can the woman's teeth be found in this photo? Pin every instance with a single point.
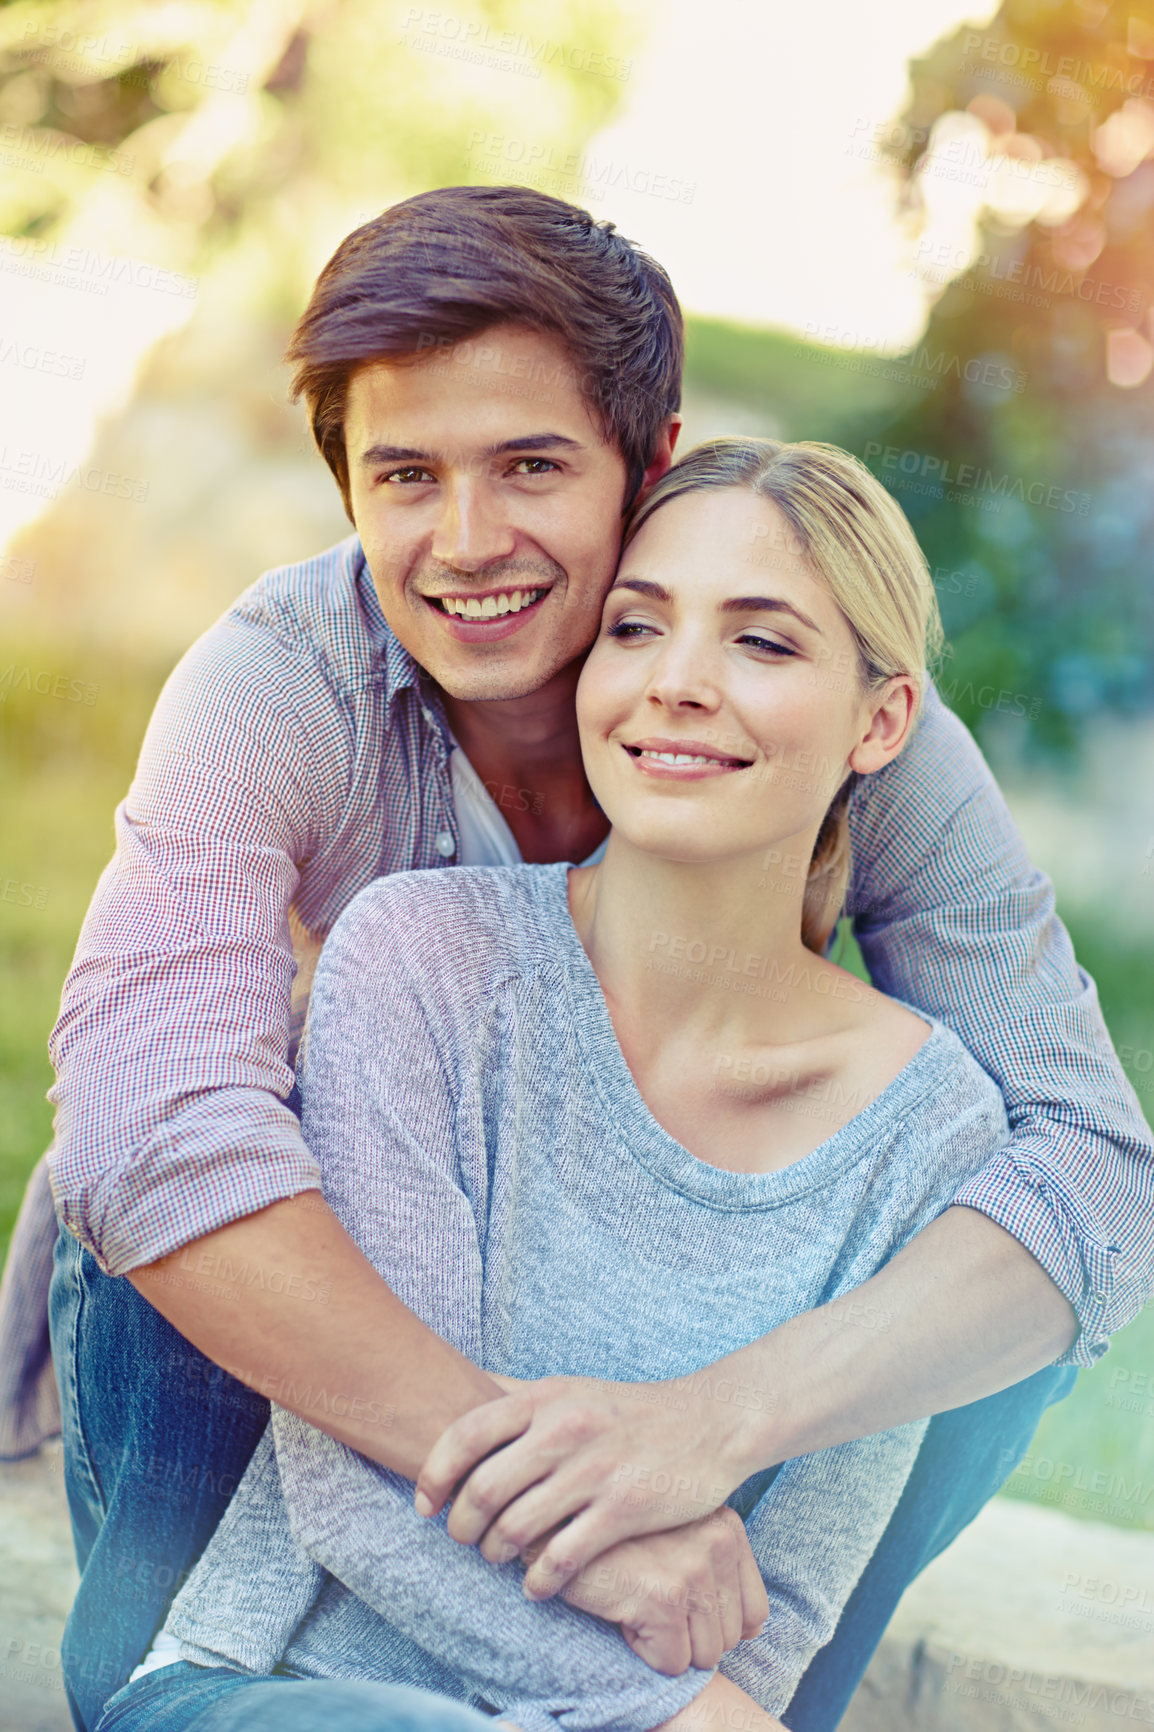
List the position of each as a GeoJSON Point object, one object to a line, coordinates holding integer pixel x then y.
{"type": "Point", "coordinates": [490, 606]}
{"type": "Point", "coordinates": [682, 758]}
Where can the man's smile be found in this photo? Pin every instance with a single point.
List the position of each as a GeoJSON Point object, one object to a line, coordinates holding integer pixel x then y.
{"type": "Point", "coordinates": [486, 617]}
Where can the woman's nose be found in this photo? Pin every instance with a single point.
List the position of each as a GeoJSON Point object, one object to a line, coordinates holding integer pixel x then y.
{"type": "Point", "coordinates": [683, 676]}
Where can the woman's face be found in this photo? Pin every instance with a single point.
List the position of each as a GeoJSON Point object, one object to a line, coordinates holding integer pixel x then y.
{"type": "Point", "coordinates": [721, 706]}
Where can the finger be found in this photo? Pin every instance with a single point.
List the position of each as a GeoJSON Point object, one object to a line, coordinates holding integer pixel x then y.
{"type": "Point", "coordinates": [754, 1599]}
{"type": "Point", "coordinates": [590, 1532]}
{"type": "Point", "coordinates": [528, 1520]}
{"type": "Point", "coordinates": [705, 1638]}
{"type": "Point", "coordinates": [466, 1442]}
{"type": "Point", "coordinates": [730, 1607]}
{"type": "Point", "coordinates": [664, 1646]}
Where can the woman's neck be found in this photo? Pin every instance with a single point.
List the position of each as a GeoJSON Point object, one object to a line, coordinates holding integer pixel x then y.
{"type": "Point", "coordinates": [714, 949]}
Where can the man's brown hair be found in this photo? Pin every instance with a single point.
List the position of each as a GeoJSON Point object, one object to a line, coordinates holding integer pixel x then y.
{"type": "Point", "coordinates": [447, 265]}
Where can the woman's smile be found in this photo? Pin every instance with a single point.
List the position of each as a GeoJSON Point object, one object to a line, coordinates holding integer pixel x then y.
{"type": "Point", "coordinates": [681, 760]}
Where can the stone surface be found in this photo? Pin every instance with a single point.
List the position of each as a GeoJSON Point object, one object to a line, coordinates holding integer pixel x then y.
{"type": "Point", "coordinates": [1030, 1620]}
{"type": "Point", "coordinates": [37, 1582]}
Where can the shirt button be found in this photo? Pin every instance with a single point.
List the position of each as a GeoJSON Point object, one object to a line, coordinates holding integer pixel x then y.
{"type": "Point", "coordinates": [444, 844]}
{"type": "Point", "coordinates": [427, 713]}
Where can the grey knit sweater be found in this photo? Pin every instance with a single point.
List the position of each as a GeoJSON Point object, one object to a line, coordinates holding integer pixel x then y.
{"type": "Point", "coordinates": [484, 1141]}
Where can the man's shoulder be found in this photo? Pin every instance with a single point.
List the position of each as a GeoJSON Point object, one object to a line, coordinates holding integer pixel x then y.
{"type": "Point", "coordinates": [321, 612]}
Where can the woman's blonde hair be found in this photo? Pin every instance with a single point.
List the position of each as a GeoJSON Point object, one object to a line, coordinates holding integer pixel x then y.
{"type": "Point", "coordinates": [856, 537]}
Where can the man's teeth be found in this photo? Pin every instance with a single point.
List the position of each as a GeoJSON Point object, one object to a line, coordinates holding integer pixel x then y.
{"type": "Point", "coordinates": [491, 606]}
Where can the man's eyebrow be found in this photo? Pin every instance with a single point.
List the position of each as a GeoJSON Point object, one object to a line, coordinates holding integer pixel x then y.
{"type": "Point", "coordinates": [376, 454]}
{"type": "Point", "coordinates": [733, 604]}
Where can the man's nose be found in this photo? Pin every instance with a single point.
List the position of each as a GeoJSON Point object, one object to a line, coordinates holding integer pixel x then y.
{"type": "Point", "coordinates": [472, 528]}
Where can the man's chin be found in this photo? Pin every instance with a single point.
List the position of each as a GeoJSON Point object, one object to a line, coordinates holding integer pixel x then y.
{"type": "Point", "coordinates": [492, 685]}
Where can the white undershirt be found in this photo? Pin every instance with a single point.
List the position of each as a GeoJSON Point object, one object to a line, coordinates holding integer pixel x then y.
{"type": "Point", "coordinates": [486, 840]}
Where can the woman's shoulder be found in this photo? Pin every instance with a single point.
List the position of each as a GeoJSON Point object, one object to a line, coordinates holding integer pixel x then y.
{"type": "Point", "coordinates": [946, 1090]}
{"type": "Point", "coordinates": [459, 924]}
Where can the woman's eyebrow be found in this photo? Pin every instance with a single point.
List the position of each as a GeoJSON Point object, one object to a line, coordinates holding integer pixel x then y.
{"type": "Point", "coordinates": [734, 604]}
{"type": "Point", "coordinates": [767, 604]}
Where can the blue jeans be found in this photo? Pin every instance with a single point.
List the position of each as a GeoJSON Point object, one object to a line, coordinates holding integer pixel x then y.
{"type": "Point", "coordinates": [156, 1438]}
{"type": "Point", "coordinates": [185, 1698]}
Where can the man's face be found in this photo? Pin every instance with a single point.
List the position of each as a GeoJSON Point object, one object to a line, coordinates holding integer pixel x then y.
{"type": "Point", "coordinates": [480, 479]}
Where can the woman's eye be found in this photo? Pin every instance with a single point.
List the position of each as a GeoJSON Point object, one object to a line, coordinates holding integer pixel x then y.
{"type": "Point", "coordinates": [627, 628]}
{"type": "Point", "coordinates": [770, 645]}
{"type": "Point", "coordinates": [407, 476]}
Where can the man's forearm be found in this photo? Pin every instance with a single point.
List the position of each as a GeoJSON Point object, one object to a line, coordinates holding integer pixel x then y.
{"type": "Point", "coordinates": [962, 1312]}
{"type": "Point", "coordinates": [286, 1302]}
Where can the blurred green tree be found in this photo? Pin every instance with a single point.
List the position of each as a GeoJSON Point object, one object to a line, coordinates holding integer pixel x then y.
{"type": "Point", "coordinates": [1026, 470]}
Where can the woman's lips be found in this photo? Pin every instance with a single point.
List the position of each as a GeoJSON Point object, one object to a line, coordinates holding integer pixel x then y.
{"type": "Point", "coordinates": [683, 761]}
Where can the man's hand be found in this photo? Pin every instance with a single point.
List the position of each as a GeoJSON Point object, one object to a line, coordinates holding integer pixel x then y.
{"type": "Point", "coordinates": [683, 1598]}
{"type": "Point", "coordinates": [609, 1460]}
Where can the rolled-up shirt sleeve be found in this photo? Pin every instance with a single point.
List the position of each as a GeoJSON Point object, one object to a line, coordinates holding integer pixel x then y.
{"type": "Point", "coordinates": [951, 916]}
{"type": "Point", "coordinates": [171, 1050]}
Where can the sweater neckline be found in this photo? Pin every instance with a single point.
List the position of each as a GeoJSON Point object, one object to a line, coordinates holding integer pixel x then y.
{"type": "Point", "coordinates": [866, 1134]}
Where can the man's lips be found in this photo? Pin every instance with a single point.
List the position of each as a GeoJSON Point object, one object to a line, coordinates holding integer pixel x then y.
{"type": "Point", "coordinates": [684, 760]}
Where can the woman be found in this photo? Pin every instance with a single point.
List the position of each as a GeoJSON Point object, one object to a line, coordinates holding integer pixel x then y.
{"type": "Point", "coordinates": [617, 1122]}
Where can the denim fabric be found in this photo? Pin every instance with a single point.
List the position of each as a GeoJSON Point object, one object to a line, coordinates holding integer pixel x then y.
{"type": "Point", "coordinates": [156, 1438]}
{"type": "Point", "coordinates": [183, 1698]}
{"type": "Point", "coordinates": [965, 1456]}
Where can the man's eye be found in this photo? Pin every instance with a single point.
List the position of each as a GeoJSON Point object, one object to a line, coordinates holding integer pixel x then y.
{"type": "Point", "coordinates": [405, 477]}
{"type": "Point", "coordinates": [756, 641]}
{"type": "Point", "coordinates": [534, 465]}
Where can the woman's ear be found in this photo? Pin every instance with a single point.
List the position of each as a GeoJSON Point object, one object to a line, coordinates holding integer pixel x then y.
{"type": "Point", "coordinates": [890, 714]}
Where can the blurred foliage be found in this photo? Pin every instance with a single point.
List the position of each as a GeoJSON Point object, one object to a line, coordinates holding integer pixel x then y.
{"type": "Point", "coordinates": [259, 132]}
{"type": "Point", "coordinates": [1049, 109]}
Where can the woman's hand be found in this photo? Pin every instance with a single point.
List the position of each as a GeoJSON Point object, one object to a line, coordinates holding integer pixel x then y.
{"type": "Point", "coordinates": [722, 1701]}
{"type": "Point", "coordinates": [610, 1461]}
{"type": "Point", "coordinates": [683, 1598]}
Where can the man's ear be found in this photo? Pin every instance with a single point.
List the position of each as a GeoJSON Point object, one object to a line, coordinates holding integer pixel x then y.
{"type": "Point", "coordinates": [889, 726]}
{"type": "Point", "coordinates": [662, 458]}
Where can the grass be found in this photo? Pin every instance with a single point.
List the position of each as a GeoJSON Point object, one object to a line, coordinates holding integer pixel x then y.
{"type": "Point", "coordinates": [64, 768]}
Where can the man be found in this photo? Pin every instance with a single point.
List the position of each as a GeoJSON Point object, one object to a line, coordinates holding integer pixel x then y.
{"type": "Point", "coordinates": [493, 379]}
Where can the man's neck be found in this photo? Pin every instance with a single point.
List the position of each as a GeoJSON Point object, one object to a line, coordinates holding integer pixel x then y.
{"type": "Point", "coordinates": [528, 754]}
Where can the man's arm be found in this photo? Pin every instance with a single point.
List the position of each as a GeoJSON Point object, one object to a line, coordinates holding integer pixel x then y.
{"type": "Point", "coordinates": [951, 916]}
{"type": "Point", "coordinates": [178, 1161]}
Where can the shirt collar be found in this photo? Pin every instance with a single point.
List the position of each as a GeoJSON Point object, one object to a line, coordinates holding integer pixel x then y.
{"type": "Point", "coordinates": [402, 672]}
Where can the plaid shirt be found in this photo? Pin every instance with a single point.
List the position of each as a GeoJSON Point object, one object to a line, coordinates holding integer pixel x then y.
{"type": "Point", "coordinates": [298, 752]}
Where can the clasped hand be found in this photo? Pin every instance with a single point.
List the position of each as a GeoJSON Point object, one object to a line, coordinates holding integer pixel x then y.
{"type": "Point", "coordinates": [612, 1494]}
